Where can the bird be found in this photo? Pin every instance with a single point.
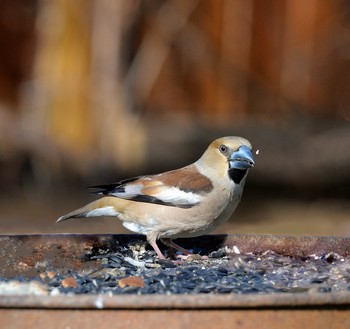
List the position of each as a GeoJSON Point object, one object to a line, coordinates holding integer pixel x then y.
{"type": "Point", "coordinates": [182, 203]}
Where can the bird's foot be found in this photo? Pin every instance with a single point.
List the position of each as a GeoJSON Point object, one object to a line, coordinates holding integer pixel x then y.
{"type": "Point", "coordinates": [170, 243]}
{"type": "Point", "coordinates": [191, 257]}
{"type": "Point", "coordinates": [181, 260]}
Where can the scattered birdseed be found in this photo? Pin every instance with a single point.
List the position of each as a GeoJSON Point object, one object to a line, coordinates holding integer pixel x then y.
{"type": "Point", "coordinates": [69, 282]}
{"type": "Point", "coordinates": [136, 270]}
{"type": "Point", "coordinates": [51, 274]}
{"type": "Point", "coordinates": [131, 281]}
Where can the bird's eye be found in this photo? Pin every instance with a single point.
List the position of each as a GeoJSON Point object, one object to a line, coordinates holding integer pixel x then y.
{"type": "Point", "coordinates": [223, 148]}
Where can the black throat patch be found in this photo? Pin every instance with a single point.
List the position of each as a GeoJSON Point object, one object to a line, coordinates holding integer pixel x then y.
{"type": "Point", "coordinates": [237, 175]}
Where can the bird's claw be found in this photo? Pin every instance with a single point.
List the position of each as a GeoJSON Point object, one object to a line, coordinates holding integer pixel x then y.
{"type": "Point", "coordinates": [191, 257]}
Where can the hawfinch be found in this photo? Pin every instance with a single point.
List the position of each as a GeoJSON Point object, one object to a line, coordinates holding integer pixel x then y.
{"type": "Point", "coordinates": [181, 203]}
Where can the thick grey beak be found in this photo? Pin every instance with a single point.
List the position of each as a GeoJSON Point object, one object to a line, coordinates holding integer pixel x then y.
{"type": "Point", "coordinates": [242, 159]}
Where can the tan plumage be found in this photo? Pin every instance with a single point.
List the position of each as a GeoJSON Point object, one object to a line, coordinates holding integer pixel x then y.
{"type": "Point", "coordinates": [185, 202]}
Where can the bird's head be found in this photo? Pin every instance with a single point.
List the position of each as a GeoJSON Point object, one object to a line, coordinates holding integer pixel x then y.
{"type": "Point", "coordinates": [228, 155]}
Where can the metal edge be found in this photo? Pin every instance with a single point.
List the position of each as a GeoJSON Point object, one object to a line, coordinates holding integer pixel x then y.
{"type": "Point", "coordinates": [232, 301]}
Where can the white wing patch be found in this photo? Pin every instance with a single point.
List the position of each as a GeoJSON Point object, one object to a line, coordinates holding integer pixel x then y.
{"type": "Point", "coordinates": [130, 191]}
{"type": "Point", "coordinates": [176, 196]}
{"type": "Point", "coordinates": [164, 193]}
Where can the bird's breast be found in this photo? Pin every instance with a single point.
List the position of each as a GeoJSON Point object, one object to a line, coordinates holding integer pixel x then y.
{"type": "Point", "coordinates": [174, 222]}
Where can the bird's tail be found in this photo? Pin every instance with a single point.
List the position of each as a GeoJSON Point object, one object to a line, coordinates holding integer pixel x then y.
{"type": "Point", "coordinates": [107, 206]}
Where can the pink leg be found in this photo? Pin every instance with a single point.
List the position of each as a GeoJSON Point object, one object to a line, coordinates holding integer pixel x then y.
{"type": "Point", "coordinates": [157, 250]}
{"type": "Point", "coordinates": [170, 243]}
{"type": "Point", "coordinates": [186, 254]}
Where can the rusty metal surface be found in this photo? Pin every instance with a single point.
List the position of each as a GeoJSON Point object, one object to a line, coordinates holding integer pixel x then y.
{"type": "Point", "coordinates": [294, 246]}
{"type": "Point", "coordinates": [175, 319]}
{"type": "Point", "coordinates": [21, 254]}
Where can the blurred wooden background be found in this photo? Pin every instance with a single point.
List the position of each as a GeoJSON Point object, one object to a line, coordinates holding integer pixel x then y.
{"type": "Point", "coordinates": [96, 90]}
